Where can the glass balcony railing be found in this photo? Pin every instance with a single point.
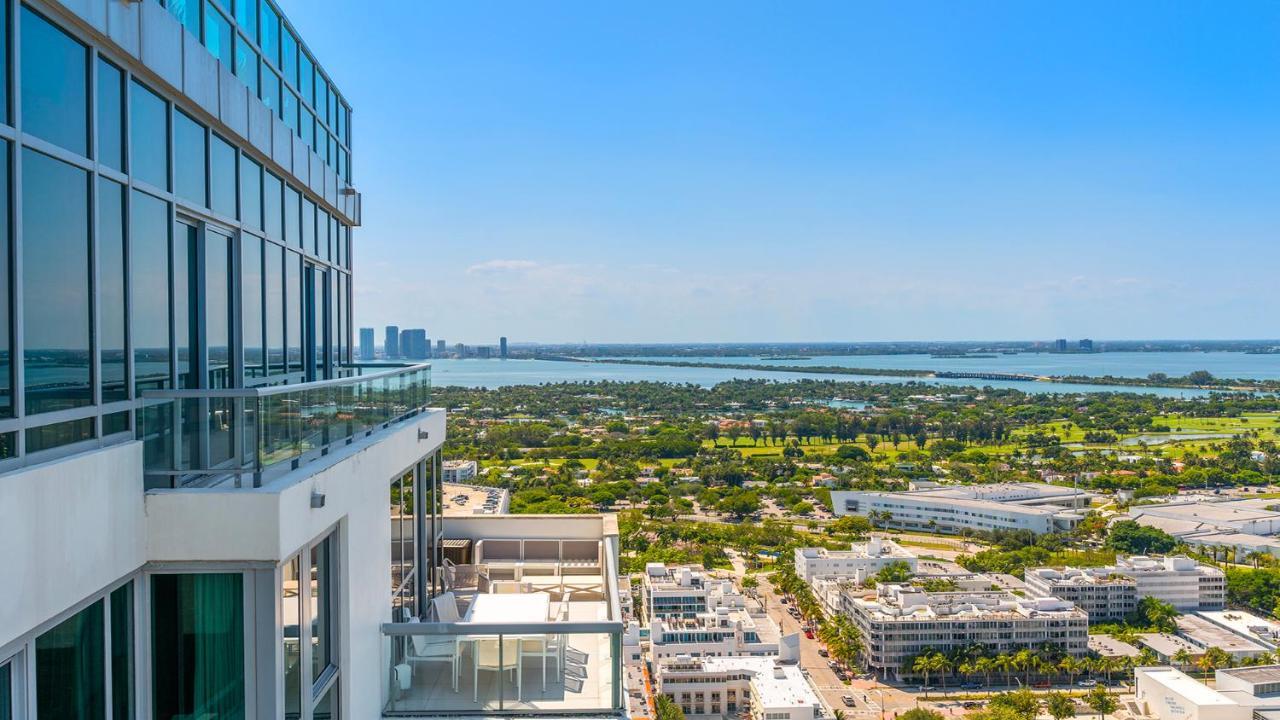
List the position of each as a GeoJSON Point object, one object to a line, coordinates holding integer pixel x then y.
{"type": "Point", "coordinates": [547, 668]}
{"type": "Point", "coordinates": [245, 435]}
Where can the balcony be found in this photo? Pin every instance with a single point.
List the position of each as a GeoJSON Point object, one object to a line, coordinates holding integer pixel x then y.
{"type": "Point", "coordinates": [531, 626]}
{"type": "Point", "coordinates": [244, 436]}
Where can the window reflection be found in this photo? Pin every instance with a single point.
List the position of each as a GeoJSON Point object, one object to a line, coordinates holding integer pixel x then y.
{"type": "Point", "coordinates": [54, 84]}
{"type": "Point", "coordinates": [149, 255]}
{"type": "Point", "coordinates": [55, 206]}
{"type": "Point", "coordinates": [111, 289]}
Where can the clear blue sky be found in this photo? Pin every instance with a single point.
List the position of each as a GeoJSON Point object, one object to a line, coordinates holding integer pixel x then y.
{"type": "Point", "coordinates": [685, 171]}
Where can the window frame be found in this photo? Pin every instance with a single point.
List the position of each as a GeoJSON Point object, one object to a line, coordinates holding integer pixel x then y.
{"type": "Point", "coordinates": [312, 688]}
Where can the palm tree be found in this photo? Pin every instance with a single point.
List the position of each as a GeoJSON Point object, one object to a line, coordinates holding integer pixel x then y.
{"type": "Point", "coordinates": [923, 664]}
{"type": "Point", "coordinates": [1071, 667]}
{"type": "Point", "coordinates": [942, 665]}
{"type": "Point", "coordinates": [1024, 660]}
{"type": "Point", "coordinates": [1004, 663]}
{"type": "Point", "coordinates": [985, 665]}
{"type": "Point", "coordinates": [1182, 658]}
{"type": "Point", "coordinates": [838, 715]}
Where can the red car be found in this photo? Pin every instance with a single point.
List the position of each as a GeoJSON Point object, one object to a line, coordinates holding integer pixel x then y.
{"type": "Point", "coordinates": [808, 634]}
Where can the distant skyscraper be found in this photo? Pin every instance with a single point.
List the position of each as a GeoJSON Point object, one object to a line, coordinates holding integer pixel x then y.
{"type": "Point", "coordinates": [366, 343]}
{"type": "Point", "coordinates": [440, 348]}
{"type": "Point", "coordinates": [1086, 345]}
{"type": "Point", "coordinates": [484, 351]}
{"type": "Point", "coordinates": [413, 344]}
{"type": "Point", "coordinates": [1060, 344]}
{"type": "Point", "coordinates": [391, 344]}
{"type": "Point", "coordinates": [502, 348]}
{"type": "Point", "coordinates": [460, 350]}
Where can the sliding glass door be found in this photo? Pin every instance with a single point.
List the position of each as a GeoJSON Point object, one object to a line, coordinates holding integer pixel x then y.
{"type": "Point", "coordinates": [197, 638]}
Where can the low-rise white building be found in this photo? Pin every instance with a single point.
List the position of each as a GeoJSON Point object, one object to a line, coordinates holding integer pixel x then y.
{"type": "Point", "coordinates": [1170, 694]}
{"type": "Point", "coordinates": [726, 686]}
{"type": "Point", "coordinates": [900, 621]}
{"type": "Point", "coordinates": [1111, 592]}
{"type": "Point", "coordinates": [1036, 507]}
{"type": "Point", "coordinates": [685, 591]}
{"type": "Point", "coordinates": [720, 633]}
{"type": "Point", "coordinates": [459, 471]}
{"type": "Point", "coordinates": [858, 562]}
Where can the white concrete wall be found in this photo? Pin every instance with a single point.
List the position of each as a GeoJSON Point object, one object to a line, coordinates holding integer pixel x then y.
{"type": "Point", "coordinates": [273, 522]}
{"type": "Point", "coordinates": [68, 528]}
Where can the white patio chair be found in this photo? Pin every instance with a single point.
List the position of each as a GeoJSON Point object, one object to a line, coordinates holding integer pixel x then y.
{"type": "Point", "coordinates": [433, 649]}
{"type": "Point", "coordinates": [446, 606]}
{"type": "Point", "coordinates": [543, 647]}
{"type": "Point", "coordinates": [490, 658]}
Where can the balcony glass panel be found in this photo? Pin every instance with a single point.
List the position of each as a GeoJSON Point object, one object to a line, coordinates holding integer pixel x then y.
{"type": "Point", "coordinates": [279, 427]}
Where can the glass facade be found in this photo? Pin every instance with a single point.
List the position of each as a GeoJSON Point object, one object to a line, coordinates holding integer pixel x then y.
{"type": "Point", "coordinates": [136, 210]}
{"type": "Point", "coordinates": [306, 607]}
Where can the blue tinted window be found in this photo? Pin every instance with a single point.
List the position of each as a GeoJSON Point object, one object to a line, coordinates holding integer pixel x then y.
{"type": "Point", "coordinates": [222, 178]}
{"type": "Point", "coordinates": [247, 16]}
{"type": "Point", "coordinates": [188, 13]}
{"type": "Point", "coordinates": [217, 34]}
{"type": "Point", "coordinates": [110, 116]}
{"type": "Point", "coordinates": [149, 137]}
{"type": "Point", "coordinates": [309, 227]}
{"type": "Point", "coordinates": [273, 271]}
{"type": "Point", "coordinates": [251, 193]}
{"type": "Point", "coordinates": [188, 159]}
{"type": "Point", "coordinates": [288, 56]}
{"type": "Point", "coordinates": [184, 287]}
{"type": "Point", "coordinates": [251, 304]}
{"type": "Point", "coordinates": [55, 284]}
{"type": "Point", "coordinates": [246, 64]}
{"type": "Point", "coordinates": [306, 75]}
{"type": "Point", "coordinates": [269, 40]}
{"type": "Point", "coordinates": [308, 128]}
{"type": "Point", "coordinates": [272, 213]}
{"type": "Point", "coordinates": [270, 90]}
{"type": "Point", "coordinates": [6, 369]}
{"type": "Point", "coordinates": [149, 260]}
{"type": "Point", "coordinates": [293, 309]}
{"type": "Point", "coordinates": [54, 84]}
{"type": "Point", "coordinates": [289, 110]}
{"type": "Point", "coordinates": [292, 213]}
{"type": "Point", "coordinates": [111, 290]}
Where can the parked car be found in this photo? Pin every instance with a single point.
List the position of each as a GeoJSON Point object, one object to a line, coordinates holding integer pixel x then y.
{"type": "Point", "coordinates": [970, 704]}
{"type": "Point", "coordinates": [926, 688]}
{"type": "Point", "coordinates": [822, 652]}
{"type": "Point", "coordinates": [808, 634]}
{"type": "Point", "coordinates": [847, 700]}
{"type": "Point", "coordinates": [971, 686]}
{"type": "Point", "coordinates": [842, 676]}
{"type": "Point", "coordinates": [1087, 683]}
{"type": "Point", "coordinates": [1043, 684]}
{"type": "Point", "coordinates": [833, 664]}
{"type": "Point", "coordinates": [785, 601]}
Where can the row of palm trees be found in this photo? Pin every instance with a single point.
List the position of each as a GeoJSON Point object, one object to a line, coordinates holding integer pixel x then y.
{"type": "Point", "coordinates": [1044, 662]}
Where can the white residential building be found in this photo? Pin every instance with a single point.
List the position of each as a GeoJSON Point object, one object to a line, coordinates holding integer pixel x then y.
{"type": "Point", "coordinates": [900, 621]}
{"type": "Point", "coordinates": [719, 633]}
{"type": "Point", "coordinates": [686, 591]}
{"type": "Point", "coordinates": [726, 686]}
{"type": "Point", "coordinates": [1111, 592]}
{"type": "Point", "coordinates": [460, 471]}
{"type": "Point", "coordinates": [858, 562]}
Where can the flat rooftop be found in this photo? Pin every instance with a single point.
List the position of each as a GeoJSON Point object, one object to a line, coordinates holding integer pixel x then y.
{"type": "Point", "coordinates": [1244, 624]}
{"type": "Point", "coordinates": [1168, 645]}
{"type": "Point", "coordinates": [1208, 511]}
{"type": "Point", "coordinates": [1108, 646]}
{"type": "Point", "coordinates": [462, 500]}
{"type": "Point", "coordinates": [1208, 634]}
{"type": "Point", "coordinates": [776, 685]}
{"type": "Point", "coordinates": [1256, 675]}
{"type": "Point", "coordinates": [1186, 686]}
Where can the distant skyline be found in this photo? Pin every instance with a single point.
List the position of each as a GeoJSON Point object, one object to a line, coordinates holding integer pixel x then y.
{"type": "Point", "coordinates": [737, 172]}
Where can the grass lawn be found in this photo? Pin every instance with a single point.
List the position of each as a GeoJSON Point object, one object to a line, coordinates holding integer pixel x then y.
{"type": "Point", "coordinates": [1266, 423]}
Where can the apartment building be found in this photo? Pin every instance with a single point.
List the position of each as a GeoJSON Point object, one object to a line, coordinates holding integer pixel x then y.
{"type": "Point", "coordinates": [686, 591]}
{"type": "Point", "coordinates": [194, 475]}
{"type": "Point", "coordinates": [460, 471]}
{"type": "Point", "coordinates": [764, 688]}
{"type": "Point", "coordinates": [900, 621]}
{"type": "Point", "coordinates": [1103, 595]}
{"type": "Point", "coordinates": [722, 632]}
{"type": "Point", "coordinates": [1111, 592]}
{"type": "Point", "coordinates": [945, 512]}
{"type": "Point", "coordinates": [861, 560]}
